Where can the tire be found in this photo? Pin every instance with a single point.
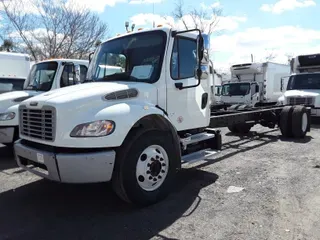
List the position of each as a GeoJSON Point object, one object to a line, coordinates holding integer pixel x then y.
{"type": "Point", "coordinates": [244, 128]}
{"type": "Point", "coordinates": [285, 122]}
{"type": "Point", "coordinates": [300, 121]}
{"type": "Point", "coordinates": [233, 128]}
{"type": "Point", "coordinates": [241, 128]}
{"type": "Point", "coordinates": [132, 177]}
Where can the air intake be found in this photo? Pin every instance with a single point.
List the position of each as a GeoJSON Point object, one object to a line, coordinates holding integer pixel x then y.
{"type": "Point", "coordinates": [123, 94]}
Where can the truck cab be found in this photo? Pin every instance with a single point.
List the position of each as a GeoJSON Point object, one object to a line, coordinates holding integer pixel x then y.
{"type": "Point", "coordinates": [255, 84]}
{"type": "Point", "coordinates": [14, 70]}
{"type": "Point", "coordinates": [244, 85]}
{"type": "Point", "coordinates": [303, 87]}
{"type": "Point", "coordinates": [43, 77]}
{"type": "Point", "coordinates": [132, 128]}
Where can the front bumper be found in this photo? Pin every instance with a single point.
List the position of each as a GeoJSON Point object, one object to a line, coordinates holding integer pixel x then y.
{"type": "Point", "coordinates": [7, 134]}
{"type": "Point", "coordinates": [89, 167]}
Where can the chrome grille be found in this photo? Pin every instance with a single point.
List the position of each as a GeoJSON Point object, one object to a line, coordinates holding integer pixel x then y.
{"type": "Point", "coordinates": [38, 123]}
{"type": "Point", "coordinates": [301, 100]}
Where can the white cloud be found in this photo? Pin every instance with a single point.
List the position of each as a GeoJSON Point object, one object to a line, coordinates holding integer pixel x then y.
{"type": "Point", "coordinates": [213, 5]}
{"type": "Point", "coordinates": [145, 1]}
{"type": "Point", "coordinates": [286, 5]}
{"type": "Point", "coordinates": [225, 23]}
{"type": "Point", "coordinates": [237, 47]}
{"type": "Point", "coordinates": [99, 5]}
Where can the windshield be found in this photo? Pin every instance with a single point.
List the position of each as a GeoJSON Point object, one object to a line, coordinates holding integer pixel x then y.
{"type": "Point", "coordinates": [304, 81]}
{"type": "Point", "coordinates": [132, 58]}
{"type": "Point", "coordinates": [11, 84]}
{"type": "Point", "coordinates": [41, 76]}
{"type": "Point", "coordinates": [235, 89]}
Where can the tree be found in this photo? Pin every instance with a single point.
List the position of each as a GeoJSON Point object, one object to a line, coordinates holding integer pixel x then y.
{"type": "Point", "coordinates": [205, 18]}
{"type": "Point", "coordinates": [7, 45]}
{"type": "Point", "coordinates": [53, 28]}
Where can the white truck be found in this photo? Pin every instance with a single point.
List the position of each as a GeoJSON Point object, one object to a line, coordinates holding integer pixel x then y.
{"type": "Point", "coordinates": [138, 127]}
{"type": "Point", "coordinates": [303, 87]}
{"type": "Point", "coordinates": [255, 84]}
{"type": "Point", "coordinates": [14, 70]}
{"type": "Point", "coordinates": [43, 77]}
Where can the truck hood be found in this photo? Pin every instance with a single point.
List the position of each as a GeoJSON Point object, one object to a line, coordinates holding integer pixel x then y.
{"type": "Point", "coordinates": [302, 93]}
{"type": "Point", "coordinates": [92, 93]}
{"type": "Point", "coordinates": [15, 97]}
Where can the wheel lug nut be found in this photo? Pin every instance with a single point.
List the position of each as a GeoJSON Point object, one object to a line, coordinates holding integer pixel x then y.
{"type": "Point", "coordinates": [163, 164]}
{"type": "Point", "coordinates": [162, 171]}
{"type": "Point", "coordinates": [161, 159]}
{"type": "Point", "coordinates": [157, 157]}
{"type": "Point", "coordinates": [148, 172]}
{"type": "Point", "coordinates": [154, 179]}
{"type": "Point", "coordinates": [159, 177]}
{"type": "Point", "coordinates": [150, 178]}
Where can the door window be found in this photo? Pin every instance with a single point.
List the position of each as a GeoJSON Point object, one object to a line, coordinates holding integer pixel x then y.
{"type": "Point", "coordinates": [68, 77]}
{"type": "Point", "coordinates": [183, 59]}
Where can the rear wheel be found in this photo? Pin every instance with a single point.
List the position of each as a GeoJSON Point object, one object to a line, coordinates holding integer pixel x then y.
{"type": "Point", "coordinates": [242, 128]}
{"type": "Point", "coordinates": [233, 128]}
{"type": "Point", "coordinates": [145, 167]}
{"type": "Point", "coordinates": [285, 122]}
{"type": "Point", "coordinates": [300, 121]}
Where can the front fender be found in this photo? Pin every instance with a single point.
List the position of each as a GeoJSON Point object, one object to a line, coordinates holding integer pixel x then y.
{"type": "Point", "coordinates": [125, 115]}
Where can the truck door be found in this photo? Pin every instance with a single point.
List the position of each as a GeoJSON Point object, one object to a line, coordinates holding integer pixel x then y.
{"type": "Point", "coordinates": [187, 108]}
{"type": "Point", "coordinates": [255, 93]}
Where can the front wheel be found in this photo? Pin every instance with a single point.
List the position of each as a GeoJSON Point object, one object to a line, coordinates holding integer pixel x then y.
{"type": "Point", "coordinates": [145, 167]}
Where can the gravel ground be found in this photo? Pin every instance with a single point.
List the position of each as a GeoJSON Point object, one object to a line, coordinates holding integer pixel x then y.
{"type": "Point", "coordinates": [280, 198]}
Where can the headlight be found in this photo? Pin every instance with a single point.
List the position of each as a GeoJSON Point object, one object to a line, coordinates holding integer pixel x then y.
{"type": "Point", "coordinates": [7, 116]}
{"type": "Point", "coordinates": [93, 129]}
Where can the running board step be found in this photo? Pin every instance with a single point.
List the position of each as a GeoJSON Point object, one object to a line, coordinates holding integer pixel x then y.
{"type": "Point", "coordinates": [198, 156]}
{"type": "Point", "coordinates": [196, 138]}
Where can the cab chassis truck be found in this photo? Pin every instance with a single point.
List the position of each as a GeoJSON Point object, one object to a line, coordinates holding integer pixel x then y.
{"type": "Point", "coordinates": [139, 127]}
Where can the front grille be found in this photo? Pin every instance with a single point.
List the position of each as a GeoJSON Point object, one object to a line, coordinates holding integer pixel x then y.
{"type": "Point", "coordinates": [38, 123]}
{"type": "Point", "coordinates": [301, 100]}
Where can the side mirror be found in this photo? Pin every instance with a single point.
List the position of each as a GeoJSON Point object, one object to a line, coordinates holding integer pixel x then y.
{"type": "Point", "coordinates": [200, 48]}
{"type": "Point", "coordinates": [77, 73]}
{"type": "Point", "coordinates": [204, 74]}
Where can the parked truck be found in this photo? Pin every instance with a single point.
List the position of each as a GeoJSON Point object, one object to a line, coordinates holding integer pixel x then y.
{"type": "Point", "coordinates": [14, 70]}
{"type": "Point", "coordinates": [255, 84]}
{"type": "Point", "coordinates": [303, 87]}
{"type": "Point", "coordinates": [43, 77]}
{"type": "Point", "coordinates": [136, 128]}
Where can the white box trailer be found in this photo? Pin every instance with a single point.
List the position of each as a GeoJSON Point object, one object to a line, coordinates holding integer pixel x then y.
{"type": "Point", "coordinates": [14, 70]}
{"type": "Point", "coordinates": [255, 84]}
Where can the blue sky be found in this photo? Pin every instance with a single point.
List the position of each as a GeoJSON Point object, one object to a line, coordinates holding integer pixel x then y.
{"type": "Point", "coordinates": [259, 27]}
